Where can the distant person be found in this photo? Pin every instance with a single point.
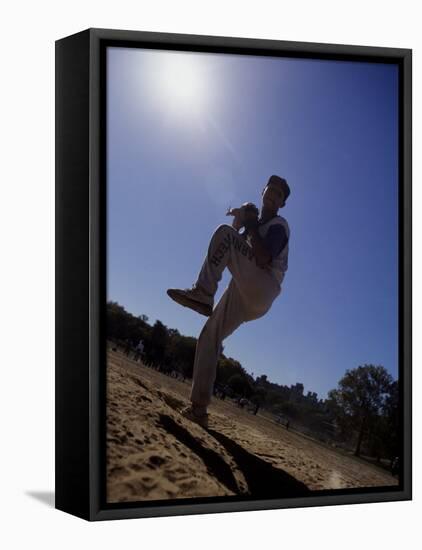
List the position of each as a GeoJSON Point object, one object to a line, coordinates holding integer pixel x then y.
{"type": "Point", "coordinates": [257, 260]}
{"type": "Point", "coordinates": [139, 350]}
{"type": "Point", "coordinates": [243, 402]}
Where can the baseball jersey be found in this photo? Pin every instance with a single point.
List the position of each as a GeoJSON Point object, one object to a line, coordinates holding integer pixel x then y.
{"type": "Point", "coordinates": [275, 233]}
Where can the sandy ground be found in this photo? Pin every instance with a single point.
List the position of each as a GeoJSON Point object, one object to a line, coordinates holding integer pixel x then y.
{"type": "Point", "coordinates": [154, 453]}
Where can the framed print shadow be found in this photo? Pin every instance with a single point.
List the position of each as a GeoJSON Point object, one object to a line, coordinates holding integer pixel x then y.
{"type": "Point", "coordinates": [233, 274]}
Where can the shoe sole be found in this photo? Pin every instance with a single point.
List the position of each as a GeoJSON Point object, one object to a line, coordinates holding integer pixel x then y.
{"type": "Point", "coordinates": [183, 300]}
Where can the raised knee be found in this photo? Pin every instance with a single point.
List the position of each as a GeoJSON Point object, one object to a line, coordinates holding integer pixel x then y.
{"type": "Point", "coordinates": [225, 228]}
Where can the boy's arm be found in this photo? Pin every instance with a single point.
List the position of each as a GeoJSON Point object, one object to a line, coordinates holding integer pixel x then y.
{"type": "Point", "coordinates": [265, 249]}
{"type": "Point", "coordinates": [262, 254]}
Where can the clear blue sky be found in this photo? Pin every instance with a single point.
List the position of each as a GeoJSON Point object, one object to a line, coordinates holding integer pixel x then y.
{"type": "Point", "coordinates": [191, 133]}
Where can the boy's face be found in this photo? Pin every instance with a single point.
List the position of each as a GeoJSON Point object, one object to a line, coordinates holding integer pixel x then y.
{"type": "Point", "coordinates": [272, 198]}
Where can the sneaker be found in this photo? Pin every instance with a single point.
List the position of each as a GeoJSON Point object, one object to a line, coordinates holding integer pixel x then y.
{"type": "Point", "coordinates": [194, 298]}
{"type": "Point", "coordinates": [190, 414]}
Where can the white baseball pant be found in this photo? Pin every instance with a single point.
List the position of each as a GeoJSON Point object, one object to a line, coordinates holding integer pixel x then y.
{"type": "Point", "coordinates": [248, 296]}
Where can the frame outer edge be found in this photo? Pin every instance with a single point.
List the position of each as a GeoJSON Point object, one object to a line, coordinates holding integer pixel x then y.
{"type": "Point", "coordinates": [309, 48]}
{"type": "Point", "coordinates": [407, 268]}
{"type": "Point", "coordinates": [71, 217]}
{"type": "Point", "coordinates": [403, 56]}
{"type": "Point", "coordinates": [94, 273]}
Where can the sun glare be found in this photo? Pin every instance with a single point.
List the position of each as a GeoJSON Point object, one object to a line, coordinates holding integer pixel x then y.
{"type": "Point", "coordinates": [180, 83]}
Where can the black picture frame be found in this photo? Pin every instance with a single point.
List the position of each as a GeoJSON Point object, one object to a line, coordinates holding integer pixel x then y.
{"type": "Point", "coordinates": [80, 268]}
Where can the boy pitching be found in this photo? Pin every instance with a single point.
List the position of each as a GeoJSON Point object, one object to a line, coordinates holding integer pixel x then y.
{"type": "Point", "coordinates": [257, 260]}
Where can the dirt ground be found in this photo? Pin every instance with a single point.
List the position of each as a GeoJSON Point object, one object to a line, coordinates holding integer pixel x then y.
{"type": "Point", "coordinates": [155, 453]}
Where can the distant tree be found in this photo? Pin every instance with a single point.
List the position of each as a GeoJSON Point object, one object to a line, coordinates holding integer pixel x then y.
{"type": "Point", "coordinates": [124, 326]}
{"type": "Point", "coordinates": [289, 409]}
{"type": "Point", "coordinates": [226, 368]}
{"type": "Point", "coordinates": [391, 412]}
{"type": "Point", "coordinates": [157, 344]}
{"type": "Point", "coordinates": [377, 436]}
{"type": "Point", "coordinates": [360, 398]}
{"type": "Point", "coordinates": [186, 356]}
{"type": "Point", "coordinates": [240, 385]}
{"type": "Point", "coordinates": [259, 395]}
{"type": "Point", "coordinates": [180, 353]}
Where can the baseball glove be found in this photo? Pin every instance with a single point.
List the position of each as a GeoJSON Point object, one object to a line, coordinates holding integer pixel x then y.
{"type": "Point", "coordinates": [243, 216]}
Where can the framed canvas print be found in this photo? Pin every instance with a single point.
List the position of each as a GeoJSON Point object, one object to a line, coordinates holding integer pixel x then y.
{"type": "Point", "coordinates": [233, 274]}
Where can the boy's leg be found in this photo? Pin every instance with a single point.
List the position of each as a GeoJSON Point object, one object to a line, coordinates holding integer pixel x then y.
{"type": "Point", "coordinates": [231, 311]}
{"type": "Point", "coordinates": [228, 249]}
{"type": "Point", "coordinates": [225, 246]}
{"type": "Point", "coordinates": [228, 315]}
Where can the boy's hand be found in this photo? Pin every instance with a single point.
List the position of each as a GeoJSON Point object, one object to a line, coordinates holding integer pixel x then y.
{"type": "Point", "coordinates": [245, 216]}
{"type": "Point", "coordinates": [238, 215]}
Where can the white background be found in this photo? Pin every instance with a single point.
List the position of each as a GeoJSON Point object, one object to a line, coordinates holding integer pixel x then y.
{"type": "Point", "coordinates": [29, 30]}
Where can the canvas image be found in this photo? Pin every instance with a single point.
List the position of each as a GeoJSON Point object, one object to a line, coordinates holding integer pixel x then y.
{"type": "Point", "coordinates": [252, 276]}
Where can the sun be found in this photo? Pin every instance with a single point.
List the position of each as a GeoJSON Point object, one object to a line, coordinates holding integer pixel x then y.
{"type": "Point", "coordinates": [179, 82]}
